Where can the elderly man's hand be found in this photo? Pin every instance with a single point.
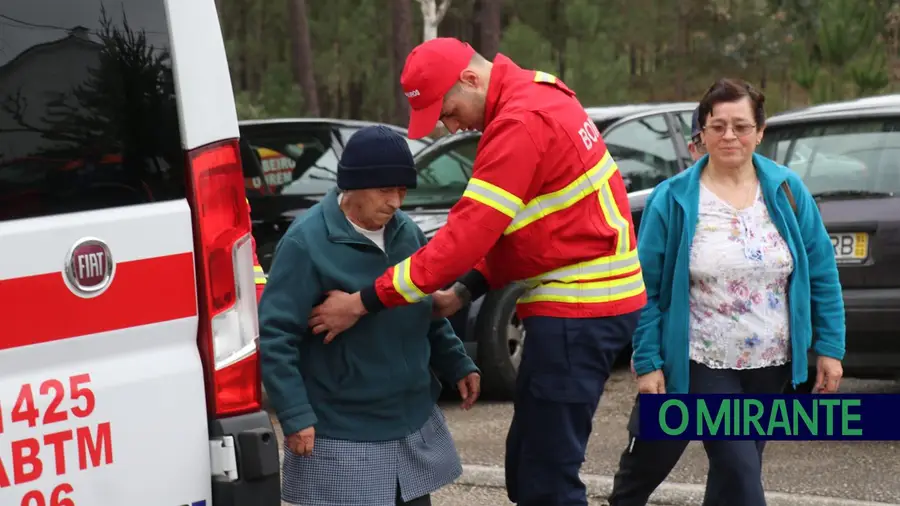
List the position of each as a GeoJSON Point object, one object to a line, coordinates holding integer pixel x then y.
{"type": "Point", "coordinates": [339, 312]}
{"type": "Point", "coordinates": [829, 372]}
{"type": "Point", "coordinates": [469, 389]}
{"type": "Point", "coordinates": [301, 443]}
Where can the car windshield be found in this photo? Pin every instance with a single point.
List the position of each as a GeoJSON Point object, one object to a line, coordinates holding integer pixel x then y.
{"type": "Point", "coordinates": [320, 175]}
{"type": "Point", "coordinates": [444, 171]}
{"type": "Point", "coordinates": [853, 158]}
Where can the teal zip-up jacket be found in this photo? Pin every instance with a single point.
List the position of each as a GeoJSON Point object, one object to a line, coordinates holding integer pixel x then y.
{"type": "Point", "coordinates": [816, 304]}
{"type": "Point", "coordinates": [374, 382]}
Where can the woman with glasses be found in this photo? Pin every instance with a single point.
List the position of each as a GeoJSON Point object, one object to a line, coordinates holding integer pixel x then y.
{"type": "Point", "coordinates": [740, 274]}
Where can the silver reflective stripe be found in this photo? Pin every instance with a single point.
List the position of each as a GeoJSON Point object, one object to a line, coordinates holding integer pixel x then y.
{"type": "Point", "coordinates": [609, 290]}
{"type": "Point", "coordinates": [544, 205]}
{"type": "Point", "coordinates": [616, 221]}
{"type": "Point", "coordinates": [596, 269]}
{"type": "Point", "coordinates": [405, 288]}
{"type": "Point", "coordinates": [492, 198]}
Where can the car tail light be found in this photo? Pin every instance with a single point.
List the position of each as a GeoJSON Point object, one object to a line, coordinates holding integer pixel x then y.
{"type": "Point", "coordinates": [229, 325]}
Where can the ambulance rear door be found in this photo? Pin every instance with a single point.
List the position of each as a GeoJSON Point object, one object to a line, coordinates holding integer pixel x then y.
{"type": "Point", "coordinates": [102, 399]}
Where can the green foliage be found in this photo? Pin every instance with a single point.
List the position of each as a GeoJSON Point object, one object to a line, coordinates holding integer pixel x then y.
{"type": "Point", "coordinates": [278, 96]}
{"type": "Point", "coordinates": [527, 47]}
{"type": "Point", "coordinates": [869, 71]}
{"type": "Point", "coordinates": [609, 51]}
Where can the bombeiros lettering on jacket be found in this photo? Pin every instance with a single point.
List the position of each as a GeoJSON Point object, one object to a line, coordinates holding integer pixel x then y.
{"type": "Point", "coordinates": [589, 134]}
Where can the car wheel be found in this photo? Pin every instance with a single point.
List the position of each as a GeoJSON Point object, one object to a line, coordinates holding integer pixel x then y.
{"type": "Point", "coordinates": [501, 340]}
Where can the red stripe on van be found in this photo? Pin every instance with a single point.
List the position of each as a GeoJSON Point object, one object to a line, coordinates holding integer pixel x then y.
{"type": "Point", "coordinates": [42, 308]}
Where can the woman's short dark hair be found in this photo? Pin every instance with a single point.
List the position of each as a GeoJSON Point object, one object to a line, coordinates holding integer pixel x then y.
{"type": "Point", "coordinates": [732, 90]}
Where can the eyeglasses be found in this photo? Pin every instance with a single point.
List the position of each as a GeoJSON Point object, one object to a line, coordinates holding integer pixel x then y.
{"type": "Point", "coordinates": [740, 130]}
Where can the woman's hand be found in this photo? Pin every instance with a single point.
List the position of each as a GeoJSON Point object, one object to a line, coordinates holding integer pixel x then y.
{"type": "Point", "coordinates": [652, 383]}
{"type": "Point", "coordinates": [829, 372]}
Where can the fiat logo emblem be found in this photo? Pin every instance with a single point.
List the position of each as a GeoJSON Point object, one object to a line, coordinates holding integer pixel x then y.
{"type": "Point", "coordinates": [89, 267]}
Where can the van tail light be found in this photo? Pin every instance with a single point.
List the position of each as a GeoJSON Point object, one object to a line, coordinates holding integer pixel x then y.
{"type": "Point", "coordinates": [229, 325]}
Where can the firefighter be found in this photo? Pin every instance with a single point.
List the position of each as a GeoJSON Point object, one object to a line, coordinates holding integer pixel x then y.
{"type": "Point", "coordinates": [546, 206]}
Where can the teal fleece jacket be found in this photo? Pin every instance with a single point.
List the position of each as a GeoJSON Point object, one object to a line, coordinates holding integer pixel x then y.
{"type": "Point", "coordinates": [376, 381]}
{"type": "Point", "coordinates": [664, 242]}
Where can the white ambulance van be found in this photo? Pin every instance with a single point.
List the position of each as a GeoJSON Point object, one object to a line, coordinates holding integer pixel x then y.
{"type": "Point", "coordinates": [129, 369]}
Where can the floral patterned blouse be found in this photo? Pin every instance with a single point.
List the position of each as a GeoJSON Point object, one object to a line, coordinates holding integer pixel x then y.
{"type": "Point", "coordinates": [739, 266]}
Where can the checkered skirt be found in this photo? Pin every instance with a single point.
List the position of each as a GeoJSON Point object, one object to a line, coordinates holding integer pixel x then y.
{"type": "Point", "coordinates": [354, 473]}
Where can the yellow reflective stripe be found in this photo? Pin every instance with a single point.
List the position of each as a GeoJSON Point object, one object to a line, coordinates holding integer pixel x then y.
{"type": "Point", "coordinates": [603, 267]}
{"type": "Point", "coordinates": [574, 192]}
{"type": "Point", "coordinates": [493, 196]}
{"type": "Point", "coordinates": [614, 218]}
{"type": "Point", "coordinates": [598, 291]}
{"type": "Point", "coordinates": [403, 282]}
{"type": "Point", "coordinates": [259, 275]}
{"type": "Point", "coordinates": [543, 77]}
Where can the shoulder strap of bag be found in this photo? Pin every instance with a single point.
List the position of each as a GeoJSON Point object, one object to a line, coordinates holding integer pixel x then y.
{"type": "Point", "coordinates": [790, 195]}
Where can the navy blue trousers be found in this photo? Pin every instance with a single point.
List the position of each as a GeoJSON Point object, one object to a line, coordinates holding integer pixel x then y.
{"type": "Point", "coordinates": [565, 365]}
{"type": "Point", "coordinates": [735, 467]}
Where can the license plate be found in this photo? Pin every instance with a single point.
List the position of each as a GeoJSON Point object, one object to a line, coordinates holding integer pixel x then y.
{"type": "Point", "coordinates": [850, 247]}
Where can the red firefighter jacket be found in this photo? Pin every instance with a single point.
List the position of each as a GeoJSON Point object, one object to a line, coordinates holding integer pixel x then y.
{"type": "Point", "coordinates": [545, 205]}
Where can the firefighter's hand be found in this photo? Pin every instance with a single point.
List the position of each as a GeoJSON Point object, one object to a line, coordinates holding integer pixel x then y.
{"type": "Point", "coordinates": [301, 443]}
{"type": "Point", "coordinates": [829, 372]}
{"type": "Point", "coordinates": [469, 389]}
{"type": "Point", "coordinates": [445, 303]}
{"type": "Point", "coordinates": [652, 383]}
{"type": "Point", "coordinates": [339, 312]}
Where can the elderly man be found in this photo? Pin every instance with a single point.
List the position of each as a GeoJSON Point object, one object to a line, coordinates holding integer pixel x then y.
{"type": "Point", "coordinates": [359, 413]}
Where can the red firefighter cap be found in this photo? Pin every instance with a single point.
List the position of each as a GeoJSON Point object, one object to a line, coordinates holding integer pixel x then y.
{"type": "Point", "coordinates": [431, 70]}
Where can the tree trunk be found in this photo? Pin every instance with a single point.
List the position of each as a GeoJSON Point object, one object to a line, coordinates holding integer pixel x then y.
{"type": "Point", "coordinates": [302, 59]}
{"type": "Point", "coordinates": [683, 37]}
{"type": "Point", "coordinates": [559, 38]}
{"type": "Point", "coordinates": [243, 36]}
{"type": "Point", "coordinates": [432, 14]}
{"type": "Point", "coordinates": [401, 17]}
{"type": "Point", "coordinates": [489, 19]}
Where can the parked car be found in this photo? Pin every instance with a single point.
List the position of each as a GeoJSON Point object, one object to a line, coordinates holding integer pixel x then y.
{"type": "Point", "coordinates": [848, 154]}
{"type": "Point", "coordinates": [649, 142]}
{"type": "Point", "coordinates": [289, 164]}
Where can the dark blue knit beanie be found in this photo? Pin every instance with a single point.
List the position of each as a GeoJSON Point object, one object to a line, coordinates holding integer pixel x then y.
{"type": "Point", "coordinates": [376, 157]}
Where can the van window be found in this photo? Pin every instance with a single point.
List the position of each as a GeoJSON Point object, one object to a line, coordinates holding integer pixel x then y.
{"type": "Point", "coordinates": [88, 118]}
{"type": "Point", "coordinates": [846, 156]}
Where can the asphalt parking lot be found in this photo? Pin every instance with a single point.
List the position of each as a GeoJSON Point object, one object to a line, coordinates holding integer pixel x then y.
{"type": "Point", "coordinates": [854, 471]}
{"type": "Point", "coordinates": [843, 472]}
